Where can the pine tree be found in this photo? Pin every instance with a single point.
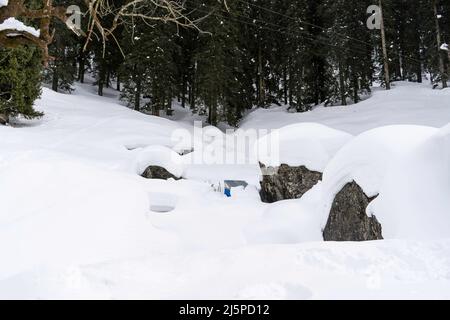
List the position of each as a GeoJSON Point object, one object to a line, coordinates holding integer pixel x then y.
{"type": "Point", "coordinates": [61, 72]}
{"type": "Point", "coordinates": [20, 82]}
{"type": "Point", "coordinates": [148, 69]}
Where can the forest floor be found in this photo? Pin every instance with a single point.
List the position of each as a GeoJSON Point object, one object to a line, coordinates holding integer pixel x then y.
{"type": "Point", "coordinates": [78, 221]}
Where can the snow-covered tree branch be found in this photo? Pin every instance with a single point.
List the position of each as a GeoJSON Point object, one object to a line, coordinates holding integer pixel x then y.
{"type": "Point", "coordinates": [14, 33]}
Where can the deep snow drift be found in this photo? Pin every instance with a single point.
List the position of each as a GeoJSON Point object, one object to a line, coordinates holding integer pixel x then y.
{"type": "Point", "coordinates": [78, 221]}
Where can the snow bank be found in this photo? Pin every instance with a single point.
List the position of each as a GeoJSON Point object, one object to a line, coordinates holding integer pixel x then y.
{"type": "Point", "coordinates": [406, 104]}
{"type": "Point", "coordinates": [60, 212]}
{"type": "Point", "coordinates": [76, 220]}
{"type": "Point", "coordinates": [367, 160]}
{"type": "Point", "coordinates": [288, 222]}
{"type": "Point", "coordinates": [13, 24]}
{"type": "Point", "coordinates": [305, 144]}
{"type": "Point", "coordinates": [414, 199]}
{"type": "Point", "coordinates": [3, 3]}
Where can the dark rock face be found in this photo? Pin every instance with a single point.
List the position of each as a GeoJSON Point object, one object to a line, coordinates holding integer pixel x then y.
{"type": "Point", "coordinates": [155, 172]}
{"type": "Point", "coordinates": [287, 183]}
{"type": "Point", "coordinates": [348, 220]}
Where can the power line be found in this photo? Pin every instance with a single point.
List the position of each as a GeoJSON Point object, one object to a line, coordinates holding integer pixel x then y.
{"type": "Point", "coordinates": [322, 28]}
{"type": "Point", "coordinates": [282, 30]}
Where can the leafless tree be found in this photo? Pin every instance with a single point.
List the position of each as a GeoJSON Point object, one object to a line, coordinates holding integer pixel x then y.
{"type": "Point", "coordinates": [167, 11]}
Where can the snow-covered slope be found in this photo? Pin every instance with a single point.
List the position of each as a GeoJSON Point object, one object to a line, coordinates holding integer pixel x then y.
{"type": "Point", "coordinates": [77, 220]}
{"type": "Point", "coordinates": [407, 103]}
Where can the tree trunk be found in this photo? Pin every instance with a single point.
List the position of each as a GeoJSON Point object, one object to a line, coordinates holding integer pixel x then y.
{"type": "Point", "coordinates": [81, 67]}
{"type": "Point", "coordinates": [183, 91]}
{"type": "Point", "coordinates": [108, 78]}
{"type": "Point", "coordinates": [101, 79]}
{"type": "Point", "coordinates": [387, 77]}
{"type": "Point", "coordinates": [137, 94]}
{"type": "Point", "coordinates": [100, 87]}
{"type": "Point", "coordinates": [261, 89]}
{"type": "Point", "coordinates": [285, 85]}
{"type": "Point", "coordinates": [439, 43]}
{"type": "Point", "coordinates": [118, 84]}
{"type": "Point", "coordinates": [55, 79]}
{"type": "Point", "coordinates": [193, 88]}
{"type": "Point", "coordinates": [342, 83]}
{"type": "Point", "coordinates": [418, 64]}
{"type": "Point", "coordinates": [291, 84]}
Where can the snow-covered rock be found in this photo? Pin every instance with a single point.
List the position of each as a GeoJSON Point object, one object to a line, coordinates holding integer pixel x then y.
{"type": "Point", "coordinates": [348, 220]}
{"type": "Point", "coordinates": [293, 158]}
{"type": "Point", "coordinates": [287, 182]}
{"type": "Point", "coordinates": [310, 145]}
{"type": "Point", "coordinates": [355, 175]}
{"type": "Point", "coordinates": [159, 156]}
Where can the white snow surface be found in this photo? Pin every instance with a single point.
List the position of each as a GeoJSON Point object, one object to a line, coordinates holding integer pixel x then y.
{"type": "Point", "coordinates": [414, 199]}
{"type": "Point", "coordinates": [407, 103]}
{"type": "Point", "coordinates": [14, 24]}
{"type": "Point", "coordinates": [77, 221]}
{"type": "Point", "coordinates": [305, 144]}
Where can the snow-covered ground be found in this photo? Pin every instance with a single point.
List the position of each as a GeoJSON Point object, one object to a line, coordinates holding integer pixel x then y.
{"type": "Point", "coordinates": [407, 103]}
{"type": "Point", "coordinates": [78, 221]}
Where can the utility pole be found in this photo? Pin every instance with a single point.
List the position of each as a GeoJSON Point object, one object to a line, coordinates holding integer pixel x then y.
{"type": "Point", "coordinates": [387, 76]}
{"type": "Point", "coordinates": [439, 43]}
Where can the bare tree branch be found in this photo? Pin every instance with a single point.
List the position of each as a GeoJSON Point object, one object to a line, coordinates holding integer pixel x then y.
{"type": "Point", "coordinates": [166, 11]}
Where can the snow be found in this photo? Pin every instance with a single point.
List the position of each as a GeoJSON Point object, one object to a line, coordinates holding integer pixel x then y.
{"type": "Point", "coordinates": [444, 46]}
{"type": "Point", "coordinates": [366, 158]}
{"type": "Point", "coordinates": [3, 3]}
{"type": "Point", "coordinates": [315, 145]}
{"type": "Point", "coordinates": [50, 213]}
{"type": "Point", "coordinates": [162, 157]}
{"type": "Point", "coordinates": [78, 221]}
{"type": "Point", "coordinates": [414, 200]}
{"type": "Point", "coordinates": [13, 24]}
{"type": "Point", "coordinates": [407, 103]}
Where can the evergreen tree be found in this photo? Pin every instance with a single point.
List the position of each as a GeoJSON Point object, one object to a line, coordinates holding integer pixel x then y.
{"type": "Point", "coordinates": [61, 72]}
{"type": "Point", "coordinates": [20, 80]}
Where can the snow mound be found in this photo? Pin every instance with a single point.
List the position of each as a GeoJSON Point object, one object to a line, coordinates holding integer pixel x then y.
{"type": "Point", "coordinates": [60, 212]}
{"type": "Point", "coordinates": [367, 158]}
{"type": "Point", "coordinates": [414, 199]}
{"type": "Point", "coordinates": [304, 144]}
{"type": "Point", "coordinates": [162, 157]}
{"type": "Point", "coordinates": [288, 222]}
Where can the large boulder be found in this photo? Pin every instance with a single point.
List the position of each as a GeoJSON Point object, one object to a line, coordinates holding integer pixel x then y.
{"type": "Point", "coordinates": [156, 172]}
{"type": "Point", "coordinates": [286, 182]}
{"type": "Point", "coordinates": [348, 220]}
